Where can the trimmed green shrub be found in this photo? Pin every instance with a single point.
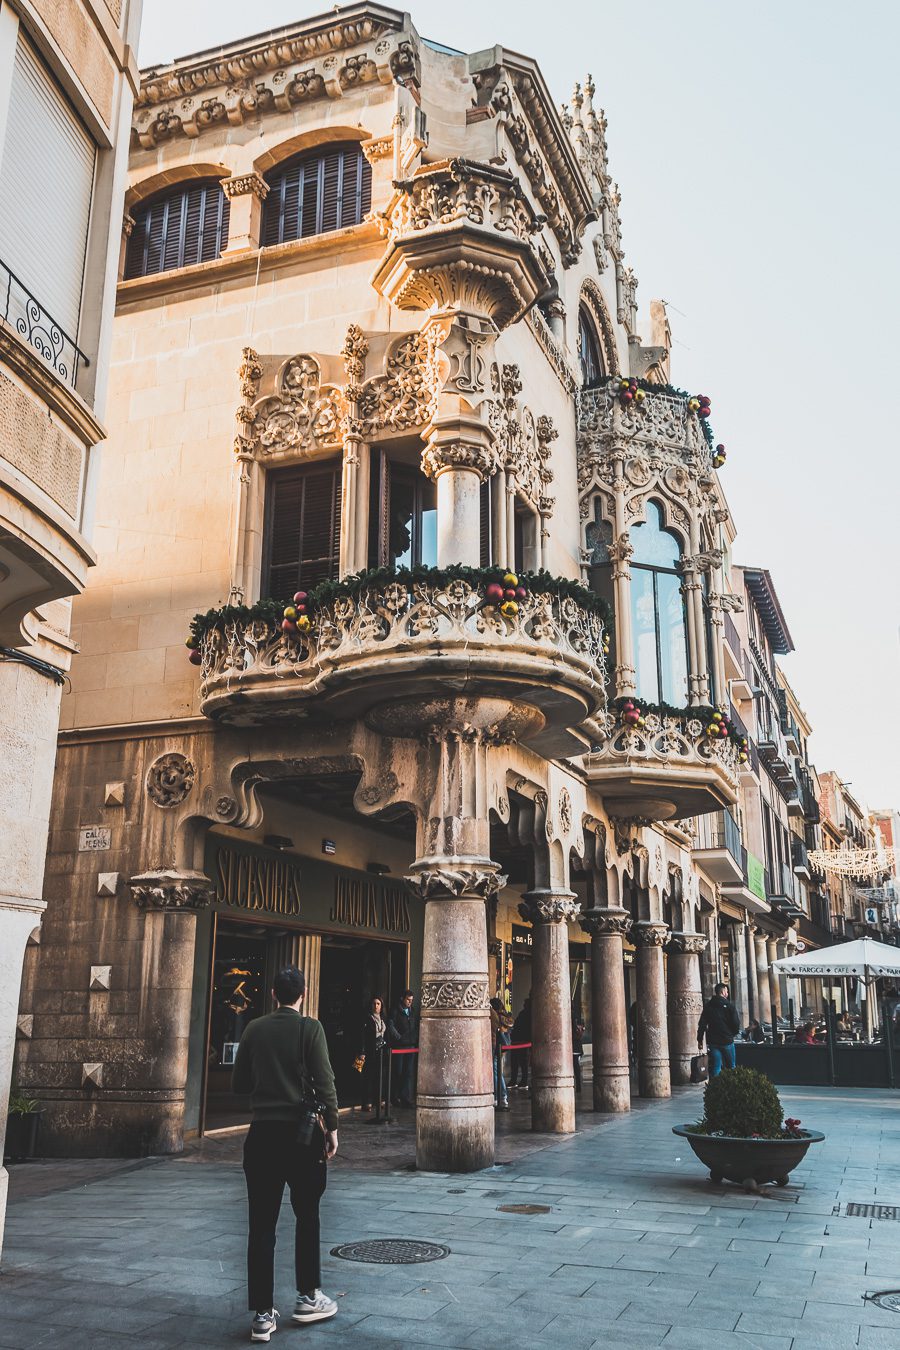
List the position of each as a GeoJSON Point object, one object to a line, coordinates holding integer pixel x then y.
{"type": "Point", "coordinates": [742, 1103]}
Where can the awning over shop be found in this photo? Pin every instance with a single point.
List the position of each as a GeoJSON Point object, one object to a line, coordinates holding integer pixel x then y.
{"type": "Point", "coordinates": [865, 959]}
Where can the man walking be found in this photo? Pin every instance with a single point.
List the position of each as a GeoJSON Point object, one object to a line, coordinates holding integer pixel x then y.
{"type": "Point", "coordinates": [282, 1063]}
{"type": "Point", "coordinates": [720, 1023]}
{"type": "Point", "coordinates": [403, 1030]}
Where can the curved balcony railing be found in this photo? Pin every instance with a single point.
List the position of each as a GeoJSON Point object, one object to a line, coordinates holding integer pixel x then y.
{"type": "Point", "coordinates": [384, 641]}
{"type": "Point", "coordinates": [27, 316]}
{"type": "Point", "coordinates": [662, 421]}
{"type": "Point", "coordinates": [669, 766]}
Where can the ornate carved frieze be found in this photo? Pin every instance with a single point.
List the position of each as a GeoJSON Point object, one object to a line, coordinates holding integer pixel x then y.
{"type": "Point", "coordinates": [170, 779]}
{"type": "Point", "coordinates": [552, 350]}
{"type": "Point", "coordinates": [522, 441]}
{"type": "Point", "coordinates": [405, 396]}
{"type": "Point", "coordinates": [301, 414]}
{"type": "Point", "coordinates": [315, 61]}
{"type": "Point", "coordinates": [452, 880]}
{"type": "Point", "coordinates": [539, 907]}
{"type": "Point", "coordinates": [689, 944]}
{"type": "Point", "coordinates": [455, 995]}
{"type": "Point", "coordinates": [606, 922]}
{"type": "Point", "coordinates": [243, 184]}
{"type": "Point", "coordinates": [644, 934]}
{"type": "Point", "coordinates": [172, 889]}
{"type": "Point", "coordinates": [688, 1004]}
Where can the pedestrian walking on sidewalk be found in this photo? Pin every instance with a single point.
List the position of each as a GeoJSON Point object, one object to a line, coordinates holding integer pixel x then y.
{"type": "Point", "coordinates": [500, 1025]}
{"type": "Point", "coordinates": [403, 1031]}
{"type": "Point", "coordinates": [521, 1035]}
{"type": "Point", "coordinates": [577, 1047]}
{"type": "Point", "coordinates": [719, 1023]}
{"type": "Point", "coordinates": [374, 1033]}
{"type": "Point", "coordinates": [282, 1063]}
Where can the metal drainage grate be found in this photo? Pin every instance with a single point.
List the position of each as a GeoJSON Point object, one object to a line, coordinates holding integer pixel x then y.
{"type": "Point", "coordinates": [391, 1252]}
{"type": "Point", "coordinates": [524, 1209]}
{"type": "Point", "coordinates": [855, 1211]}
{"type": "Point", "coordinates": [890, 1300]}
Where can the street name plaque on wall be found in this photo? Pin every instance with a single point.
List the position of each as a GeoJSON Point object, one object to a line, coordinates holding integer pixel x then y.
{"type": "Point", "coordinates": [94, 839]}
{"type": "Point", "coordinates": [391, 1251]}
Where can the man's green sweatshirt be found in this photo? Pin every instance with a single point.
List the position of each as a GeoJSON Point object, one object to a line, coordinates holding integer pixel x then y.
{"type": "Point", "coordinates": [280, 1055]}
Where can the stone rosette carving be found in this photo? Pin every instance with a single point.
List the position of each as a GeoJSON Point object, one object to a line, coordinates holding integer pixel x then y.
{"type": "Point", "coordinates": [171, 889]}
{"type": "Point", "coordinates": [170, 779]}
{"type": "Point", "coordinates": [226, 808]}
{"type": "Point", "coordinates": [644, 934]}
{"type": "Point", "coordinates": [539, 907]}
{"type": "Point", "coordinates": [606, 922]}
{"type": "Point", "coordinates": [454, 995]}
{"type": "Point", "coordinates": [453, 881]}
{"type": "Point", "coordinates": [688, 944]}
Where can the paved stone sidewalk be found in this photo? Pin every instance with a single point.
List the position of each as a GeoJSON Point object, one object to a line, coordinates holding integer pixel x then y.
{"type": "Point", "coordinates": [638, 1249]}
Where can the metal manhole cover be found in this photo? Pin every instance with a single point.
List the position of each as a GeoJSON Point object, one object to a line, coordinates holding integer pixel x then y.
{"type": "Point", "coordinates": [391, 1251]}
{"type": "Point", "coordinates": [855, 1211]}
{"type": "Point", "coordinates": [524, 1209]}
{"type": "Point", "coordinates": [890, 1300]}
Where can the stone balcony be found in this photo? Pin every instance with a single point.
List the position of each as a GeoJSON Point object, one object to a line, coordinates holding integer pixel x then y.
{"type": "Point", "coordinates": [667, 768]}
{"type": "Point", "coordinates": [462, 235]}
{"type": "Point", "coordinates": [660, 426]}
{"type": "Point", "coordinates": [410, 638]}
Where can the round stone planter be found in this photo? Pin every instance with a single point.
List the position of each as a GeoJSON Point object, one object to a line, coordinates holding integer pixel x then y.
{"type": "Point", "coordinates": [749, 1162]}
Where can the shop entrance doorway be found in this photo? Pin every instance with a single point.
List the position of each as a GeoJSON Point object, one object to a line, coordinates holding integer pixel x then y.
{"type": "Point", "coordinates": [353, 972]}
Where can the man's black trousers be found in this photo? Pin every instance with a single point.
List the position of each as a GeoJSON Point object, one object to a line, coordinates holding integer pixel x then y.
{"type": "Point", "coordinates": [272, 1159]}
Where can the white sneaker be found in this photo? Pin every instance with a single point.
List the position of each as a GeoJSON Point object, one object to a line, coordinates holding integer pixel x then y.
{"type": "Point", "coordinates": [314, 1307]}
{"type": "Point", "coordinates": [263, 1324]}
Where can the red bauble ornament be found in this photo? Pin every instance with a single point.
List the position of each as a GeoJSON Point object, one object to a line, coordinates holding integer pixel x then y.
{"type": "Point", "coordinates": [288, 626]}
{"type": "Point", "coordinates": [521, 593]}
{"type": "Point", "coordinates": [494, 593]}
{"type": "Point", "coordinates": [194, 657]}
{"type": "Point", "coordinates": [300, 608]}
{"type": "Point", "coordinates": [510, 592]}
{"type": "Point", "coordinates": [300, 597]}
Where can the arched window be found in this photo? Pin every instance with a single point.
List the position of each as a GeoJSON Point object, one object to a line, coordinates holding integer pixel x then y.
{"type": "Point", "coordinates": [657, 612]}
{"type": "Point", "coordinates": [185, 225]}
{"type": "Point", "coordinates": [589, 351]}
{"type": "Point", "coordinates": [324, 189]}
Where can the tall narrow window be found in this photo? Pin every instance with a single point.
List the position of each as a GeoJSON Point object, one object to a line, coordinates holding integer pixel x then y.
{"type": "Point", "coordinates": [402, 516]}
{"type": "Point", "coordinates": [589, 355]}
{"type": "Point", "coordinates": [303, 528]}
{"type": "Point", "coordinates": [180, 228]}
{"type": "Point", "coordinates": [657, 612]}
{"type": "Point", "coordinates": [324, 189]}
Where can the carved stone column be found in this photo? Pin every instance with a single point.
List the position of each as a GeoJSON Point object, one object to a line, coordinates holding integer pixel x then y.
{"type": "Point", "coordinates": [246, 192]}
{"type": "Point", "coordinates": [752, 986]}
{"type": "Point", "coordinates": [620, 551]}
{"type": "Point", "coordinates": [739, 981]}
{"type": "Point", "coordinates": [762, 979]}
{"type": "Point", "coordinates": [459, 457]}
{"type": "Point", "coordinates": [552, 1070]}
{"type": "Point", "coordinates": [652, 1031]}
{"type": "Point", "coordinates": [774, 985]}
{"type": "Point", "coordinates": [355, 465]}
{"type": "Point", "coordinates": [170, 900]}
{"type": "Point", "coordinates": [609, 1015]}
{"type": "Point", "coordinates": [684, 1001]}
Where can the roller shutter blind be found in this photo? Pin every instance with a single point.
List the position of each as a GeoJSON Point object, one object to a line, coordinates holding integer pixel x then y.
{"type": "Point", "coordinates": [46, 182]}
{"type": "Point", "coordinates": [303, 529]}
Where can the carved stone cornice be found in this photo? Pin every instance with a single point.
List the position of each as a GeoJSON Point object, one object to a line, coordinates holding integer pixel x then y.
{"type": "Point", "coordinates": [539, 907]}
{"type": "Point", "coordinates": [243, 184]}
{"type": "Point", "coordinates": [648, 934]}
{"type": "Point", "coordinates": [607, 922]}
{"type": "Point", "coordinates": [687, 944]}
{"type": "Point", "coordinates": [455, 879]}
{"type": "Point", "coordinates": [171, 889]}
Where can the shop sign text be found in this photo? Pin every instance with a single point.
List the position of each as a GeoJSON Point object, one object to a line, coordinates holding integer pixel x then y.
{"type": "Point", "coordinates": [359, 903]}
{"type": "Point", "coordinates": [255, 882]}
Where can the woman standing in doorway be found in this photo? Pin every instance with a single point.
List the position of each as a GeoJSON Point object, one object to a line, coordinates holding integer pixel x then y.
{"type": "Point", "coordinates": [374, 1031]}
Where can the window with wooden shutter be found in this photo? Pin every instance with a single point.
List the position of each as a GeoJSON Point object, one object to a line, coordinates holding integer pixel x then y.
{"type": "Point", "coordinates": [303, 528]}
{"type": "Point", "coordinates": [324, 189]}
{"type": "Point", "coordinates": [178, 228]}
{"type": "Point", "coordinates": [46, 184]}
{"type": "Point", "coordinates": [402, 515]}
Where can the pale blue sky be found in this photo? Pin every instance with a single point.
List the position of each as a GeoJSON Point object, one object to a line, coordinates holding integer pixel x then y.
{"type": "Point", "coordinates": [756, 149]}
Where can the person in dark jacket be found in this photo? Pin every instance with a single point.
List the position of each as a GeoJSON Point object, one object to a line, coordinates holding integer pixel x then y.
{"type": "Point", "coordinates": [755, 1032]}
{"type": "Point", "coordinates": [403, 1033]}
{"type": "Point", "coordinates": [282, 1062]}
{"type": "Point", "coordinates": [577, 1047]}
{"type": "Point", "coordinates": [374, 1033]}
{"type": "Point", "coordinates": [719, 1023]}
{"type": "Point", "coordinates": [521, 1035]}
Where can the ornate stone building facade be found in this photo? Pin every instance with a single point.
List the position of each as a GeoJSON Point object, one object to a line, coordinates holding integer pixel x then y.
{"type": "Point", "coordinates": [384, 416]}
{"type": "Point", "coordinates": [67, 79]}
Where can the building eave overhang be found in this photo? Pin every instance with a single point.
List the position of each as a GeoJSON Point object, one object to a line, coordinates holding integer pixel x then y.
{"type": "Point", "coordinates": [758, 582]}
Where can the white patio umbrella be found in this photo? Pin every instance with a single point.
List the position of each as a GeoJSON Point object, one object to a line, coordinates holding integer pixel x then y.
{"type": "Point", "coordinates": [864, 958]}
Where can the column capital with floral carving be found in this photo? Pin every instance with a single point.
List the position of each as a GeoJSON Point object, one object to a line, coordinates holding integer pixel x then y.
{"type": "Point", "coordinates": [550, 906]}
{"type": "Point", "coordinates": [607, 922]}
{"type": "Point", "coordinates": [243, 184]}
{"type": "Point", "coordinates": [172, 889]}
{"type": "Point", "coordinates": [649, 934]}
{"type": "Point", "coordinates": [459, 443]}
{"type": "Point", "coordinates": [455, 878]}
{"type": "Point", "coordinates": [687, 944]}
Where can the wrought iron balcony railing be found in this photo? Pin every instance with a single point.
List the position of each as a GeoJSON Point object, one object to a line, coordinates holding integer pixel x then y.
{"type": "Point", "coordinates": [26, 316]}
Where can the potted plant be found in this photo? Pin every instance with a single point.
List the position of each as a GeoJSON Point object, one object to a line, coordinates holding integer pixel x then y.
{"type": "Point", "coordinates": [743, 1135]}
{"type": "Point", "coordinates": [21, 1127]}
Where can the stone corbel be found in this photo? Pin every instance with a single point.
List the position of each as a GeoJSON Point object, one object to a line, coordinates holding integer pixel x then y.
{"type": "Point", "coordinates": [172, 889]}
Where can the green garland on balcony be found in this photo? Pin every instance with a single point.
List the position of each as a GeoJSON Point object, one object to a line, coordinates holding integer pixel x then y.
{"type": "Point", "coordinates": [271, 612]}
{"type": "Point", "coordinates": [702, 713]}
